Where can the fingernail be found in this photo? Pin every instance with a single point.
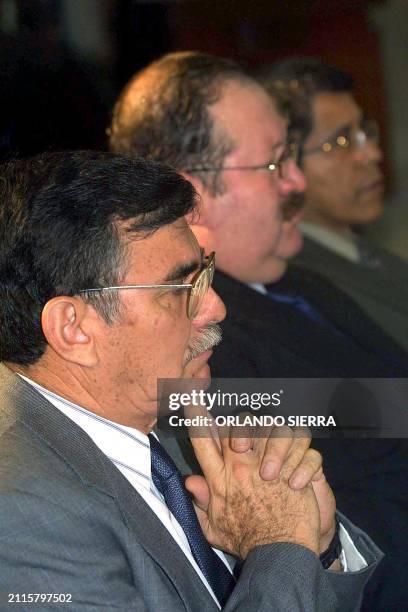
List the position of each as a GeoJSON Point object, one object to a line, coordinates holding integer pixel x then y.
{"type": "Point", "coordinates": [269, 471]}
{"type": "Point", "coordinates": [240, 444]}
{"type": "Point", "coordinates": [296, 481]}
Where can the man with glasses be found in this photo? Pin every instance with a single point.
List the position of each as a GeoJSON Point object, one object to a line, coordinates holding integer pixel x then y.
{"type": "Point", "coordinates": [212, 122]}
{"type": "Point", "coordinates": [341, 159]}
{"type": "Point", "coordinates": [104, 290]}
{"type": "Point", "coordinates": [217, 126]}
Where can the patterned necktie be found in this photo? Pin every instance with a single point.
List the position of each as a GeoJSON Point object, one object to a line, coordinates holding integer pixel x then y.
{"type": "Point", "coordinates": [169, 481]}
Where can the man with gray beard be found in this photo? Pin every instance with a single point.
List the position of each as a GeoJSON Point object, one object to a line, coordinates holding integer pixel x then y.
{"type": "Point", "coordinates": [103, 291]}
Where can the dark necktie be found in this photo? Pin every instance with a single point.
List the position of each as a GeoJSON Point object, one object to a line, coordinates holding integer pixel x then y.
{"type": "Point", "coordinates": [169, 481]}
{"type": "Point", "coordinates": [309, 311]}
{"type": "Point", "coordinates": [301, 304]}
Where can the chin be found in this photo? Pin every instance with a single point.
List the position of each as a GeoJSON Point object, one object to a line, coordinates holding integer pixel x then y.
{"type": "Point", "coordinates": [377, 213]}
{"type": "Point", "coordinates": [370, 211]}
{"type": "Point", "coordinates": [296, 243]}
{"type": "Point", "coordinates": [367, 219]}
{"type": "Point", "coordinates": [292, 243]}
{"type": "Point", "coordinates": [275, 271]}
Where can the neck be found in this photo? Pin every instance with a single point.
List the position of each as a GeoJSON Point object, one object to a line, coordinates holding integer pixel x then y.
{"type": "Point", "coordinates": [86, 389]}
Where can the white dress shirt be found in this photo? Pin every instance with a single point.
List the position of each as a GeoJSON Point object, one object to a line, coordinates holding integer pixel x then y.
{"type": "Point", "coordinates": [129, 450]}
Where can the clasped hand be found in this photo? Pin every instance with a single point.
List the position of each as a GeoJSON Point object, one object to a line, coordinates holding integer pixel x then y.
{"type": "Point", "coordinates": [259, 489]}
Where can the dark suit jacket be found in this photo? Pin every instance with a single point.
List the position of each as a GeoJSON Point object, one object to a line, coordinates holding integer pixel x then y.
{"type": "Point", "coordinates": [269, 339]}
{"type": "Point", "coordinates": [381, 290]}
{"type": "Point", "coordinates": [71, 523]}
{"type": "Point", "coordinates": [263, 338]}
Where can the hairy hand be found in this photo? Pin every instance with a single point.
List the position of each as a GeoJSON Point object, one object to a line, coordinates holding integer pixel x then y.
{"type": "Point", "coordinates": [287, 454]}
{"type": "Point", "coordinates": [239, 510]}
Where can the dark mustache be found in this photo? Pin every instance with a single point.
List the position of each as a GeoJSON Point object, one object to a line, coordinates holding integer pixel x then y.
{"type": "Point", "coordinates": [292, 205]}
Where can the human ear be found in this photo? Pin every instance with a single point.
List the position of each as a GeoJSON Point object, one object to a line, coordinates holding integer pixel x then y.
{"type": "Point", "coordinates": [198, 217]}
{"type": "Point", "coordinates": [66, 324]}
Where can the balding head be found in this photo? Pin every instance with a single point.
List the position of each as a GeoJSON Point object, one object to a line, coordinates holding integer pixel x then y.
{"type": "Point", "coordinates": [164, 112]}
{"type": "Point", "coordinates": [204, 116]}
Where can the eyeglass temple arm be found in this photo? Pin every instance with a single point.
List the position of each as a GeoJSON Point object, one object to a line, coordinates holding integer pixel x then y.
{"type": "Point", "coordinates": [116, 288]}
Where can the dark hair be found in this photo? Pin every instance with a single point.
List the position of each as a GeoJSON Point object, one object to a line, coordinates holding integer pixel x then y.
{"type": "Point", "coordinates": [163, 112]}
{"type": "Point", "coordinates": [62, 219]}
{"type": "Point", "coordinates": [295, 81]}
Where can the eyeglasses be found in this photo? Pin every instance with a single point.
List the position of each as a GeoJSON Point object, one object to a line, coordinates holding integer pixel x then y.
{"type": "Point", "coordinates": [349, 138]}
{"type": "Point", "coordinates": [197, 288]}
{"type": "Point", "coordinates": [291, 152]}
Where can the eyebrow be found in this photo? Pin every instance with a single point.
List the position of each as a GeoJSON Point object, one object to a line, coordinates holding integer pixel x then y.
{"type": "Point", "coordinates": [183, 270]}
{"type": "Point", "coordinates": [339, 131]}
{"type": "Point", "coordinates": [282, 143]}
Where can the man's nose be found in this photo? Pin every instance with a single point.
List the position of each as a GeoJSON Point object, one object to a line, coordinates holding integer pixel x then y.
{"type": "Point", "coordinates": [294, 179]}
{"type": "Point", "coordinates": [212, 309]}
{"type": "Point", "coordinates": [369, 152]}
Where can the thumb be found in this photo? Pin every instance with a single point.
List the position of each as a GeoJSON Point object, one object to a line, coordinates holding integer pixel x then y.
{"type": "Point", "coordinates": [198, 487]}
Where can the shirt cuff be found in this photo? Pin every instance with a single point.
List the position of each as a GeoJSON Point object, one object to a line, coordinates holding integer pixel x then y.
{"type": "Point", "coordinates": [350, 559]}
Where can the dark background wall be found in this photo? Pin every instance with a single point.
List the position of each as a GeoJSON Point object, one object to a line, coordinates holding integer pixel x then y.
{"type": "Point", "coordinates": [63, 63]}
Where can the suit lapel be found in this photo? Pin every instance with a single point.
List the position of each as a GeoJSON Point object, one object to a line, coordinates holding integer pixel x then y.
{"type": "Point", "coordinates": [75, 448]}
{"type": "Point", "coordinates": [387, 285]}
{"type": "Point", "coordinates": [275, 322]}
{"type": "Point", "coordinates": [362, 349]}
{"type": "Point", "coordinates": [345, 313]}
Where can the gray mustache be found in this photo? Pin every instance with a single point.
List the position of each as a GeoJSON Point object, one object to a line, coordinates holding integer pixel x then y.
{"type": "Point", "coordinates": [209, 337]}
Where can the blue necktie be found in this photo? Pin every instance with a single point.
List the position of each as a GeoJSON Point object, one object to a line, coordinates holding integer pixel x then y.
{"type": "Point", "coordinates": [309, 311]}
{"type": "Point", "coordinates": [300, 304]}
{"type": "Point", "coordinates": [169, 481]}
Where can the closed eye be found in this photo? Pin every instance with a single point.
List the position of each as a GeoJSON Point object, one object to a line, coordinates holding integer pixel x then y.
{"type": "Point", "coordinates": [180, 290]}
{"type": "Point", "coordinates": [177, 288]}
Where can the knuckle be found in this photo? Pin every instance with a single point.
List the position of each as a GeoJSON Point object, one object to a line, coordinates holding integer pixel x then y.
{"type": "Point", "coordinates": [304, 434]}
{"type": "Point", "coordinates": [314, 456]}
{"type": "Point", "coordinates": [277, 448]}
{"type": "Point", "coordinates": [239, 471]}
{"type": "Point", "coordinates": [282, 432]}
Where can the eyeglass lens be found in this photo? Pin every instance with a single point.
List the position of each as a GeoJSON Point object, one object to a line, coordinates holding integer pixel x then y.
{"type": "Point", "coordinates": [200, 287]}
{"type": "Point", "coordinates": [290, 153]}
{"type": "Point", "coordinates": [355, 137]}
{"type": "Point", "coordinates": [368, 131]}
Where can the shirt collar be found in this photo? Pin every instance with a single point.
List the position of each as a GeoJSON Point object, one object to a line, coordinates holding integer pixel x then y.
{"type": "Point", "coordinates": [258, 287]}
{"type": "Point", "coordinates": [343, 244]}
{"type": "Point", "coordinates": [122, 444]}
